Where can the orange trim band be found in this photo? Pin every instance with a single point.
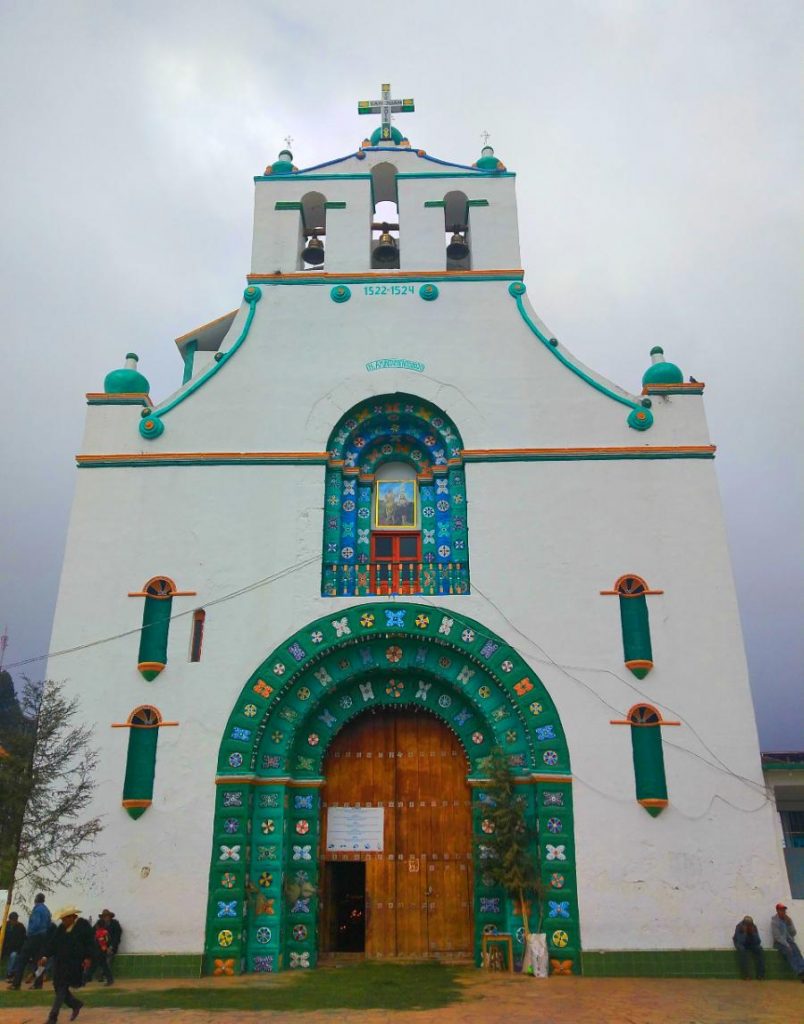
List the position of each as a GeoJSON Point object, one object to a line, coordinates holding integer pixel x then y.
{"type": "Point", "coordinates": [620, 450]}
{"type": "Point", "coordinates": [652, 802]}
{"type": "Point", "coordinates": [641, 725]}
{"type": "Point", "coordinates": [130, 725]}
{"type": "Point", "coordinates": [152, 457]}
{"type": "Point", "coordinates": [695, 387]}
{"type": "Point", "coordinates": [163, 597]}
{"type": "Point", "coordinates": [413, 275]}
{"type": "Point", "coordinates": [119, 394]}
{"type": "Point", "coordinates": [136, 803]}
{"type": "Point", "coordinates": [190, 335]}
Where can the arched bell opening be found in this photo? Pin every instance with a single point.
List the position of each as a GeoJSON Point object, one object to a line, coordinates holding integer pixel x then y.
{"type": "Point", "coordinates": [456, 228]}
{"type": "Point", "coordinates": [313, 231]}
{"type": "Point", "coordinates": [385, 218]}
{"type": "Point", "coordinates": [266, 881]}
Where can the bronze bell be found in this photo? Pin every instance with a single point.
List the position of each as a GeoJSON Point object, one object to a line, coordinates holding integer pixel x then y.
{"type": "Point", "coordinates": [457, 248]}
{"type": "Point", "coordinates": [313, 252]}
{"type": "Point", "coordinates": [386, 250]}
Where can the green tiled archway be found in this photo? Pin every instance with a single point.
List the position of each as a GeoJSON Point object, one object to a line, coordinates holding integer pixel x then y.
{"type": "Point", "coordinates": [263, 911]}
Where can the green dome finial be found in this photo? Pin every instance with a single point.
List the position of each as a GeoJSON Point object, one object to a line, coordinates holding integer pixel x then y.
{"type": "Point", "coordinates": [660, 371]}
{"type": "Point", "coordinates": [488, 161]}
{"type": "Point", "coordinates": [128, 380]}
{"type": "Point", "coordinates": [283, 163]}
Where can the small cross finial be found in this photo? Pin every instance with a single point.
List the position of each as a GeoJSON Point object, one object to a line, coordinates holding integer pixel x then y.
{"type": "Point", "coordinates": [288, 140]}
{"type": "Point", "coordinates": [385, 107]}
{"type": "Point", "coordinates": [485, 136]}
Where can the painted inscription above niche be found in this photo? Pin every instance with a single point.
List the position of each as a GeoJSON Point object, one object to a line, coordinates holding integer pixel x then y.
{"type": "Point", "coordinates": [395, 364]}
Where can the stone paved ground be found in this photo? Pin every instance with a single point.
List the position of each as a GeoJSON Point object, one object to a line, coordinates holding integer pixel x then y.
{"type": "Point", "coordinates": [516, 1000]}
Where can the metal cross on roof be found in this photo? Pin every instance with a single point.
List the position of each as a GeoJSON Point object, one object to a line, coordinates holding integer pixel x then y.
{"type": "Point", "coordinates": [385, 107]}
{"type": "Point", "coordinates": [485, 136]}
{"type": "Point", "coordinates": [288, 140]}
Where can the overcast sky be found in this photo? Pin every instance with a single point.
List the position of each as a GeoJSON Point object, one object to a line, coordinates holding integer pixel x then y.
{"type": "Point", "coordinates": [658, 152]}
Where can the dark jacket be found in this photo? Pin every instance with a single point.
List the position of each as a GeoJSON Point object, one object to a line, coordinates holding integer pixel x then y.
{"type": "Point", "coordinates": [746, 936]}
{"type": "Point", "coordinates": [15, 936]}
{"type": "Point", "coordinates": [115, 934]}
{"type": "Point", "coordinates": [70, 948]}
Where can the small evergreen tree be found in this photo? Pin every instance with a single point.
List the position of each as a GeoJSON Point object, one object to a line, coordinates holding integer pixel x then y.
{"type": "Point", "coordinates": [513, 857]}
{"type": "Point", "coordinates": [46, 782]}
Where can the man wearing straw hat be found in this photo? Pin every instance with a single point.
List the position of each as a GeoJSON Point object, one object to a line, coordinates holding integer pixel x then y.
{"type": "Point", "coordinates": [72, 945]}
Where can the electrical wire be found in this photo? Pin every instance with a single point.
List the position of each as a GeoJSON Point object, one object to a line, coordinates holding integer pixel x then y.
{"type": "Point", "coordinates": [280, 574]}
{"type": "Point", "coordinates": [718, 764]}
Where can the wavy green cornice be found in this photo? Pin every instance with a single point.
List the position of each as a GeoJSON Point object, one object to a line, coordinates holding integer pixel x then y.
{"type": "Point", "coordinates": [151, 425]}
{"type": "Point", "coordinates": [640, 417]}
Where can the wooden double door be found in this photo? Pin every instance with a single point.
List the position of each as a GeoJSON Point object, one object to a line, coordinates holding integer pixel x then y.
{"type": "Point", "coordinates": [417, 892]}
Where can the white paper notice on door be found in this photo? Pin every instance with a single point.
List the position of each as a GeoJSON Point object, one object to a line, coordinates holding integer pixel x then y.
{"type": "Point", "coordinates": [355, 829]}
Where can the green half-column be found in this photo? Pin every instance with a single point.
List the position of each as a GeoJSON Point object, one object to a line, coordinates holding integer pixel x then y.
{"type": "Point", "coordinates": [651, 784]}
{"type": "Point", "coordinates": [636, 635]}
{"type": "Point", "coordinates": [154, 636]}
{"type": "Point", "coordinates": [138, 787]}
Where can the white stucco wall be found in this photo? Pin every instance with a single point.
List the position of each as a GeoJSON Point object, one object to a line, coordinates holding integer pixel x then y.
{"type": "Point", "coordinates": [544, 539]}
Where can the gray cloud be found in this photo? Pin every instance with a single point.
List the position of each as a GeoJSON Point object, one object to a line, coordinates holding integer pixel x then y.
{"type": "Point", "coordinates": [658, 153]}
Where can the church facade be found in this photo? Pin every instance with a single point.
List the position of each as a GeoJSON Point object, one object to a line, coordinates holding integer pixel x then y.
{"type": "Point", "coordinates": [388, 523]}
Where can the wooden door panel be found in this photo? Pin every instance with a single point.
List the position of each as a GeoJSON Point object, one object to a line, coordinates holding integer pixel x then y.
{"type": "Point", "coordinates": [413, 766]}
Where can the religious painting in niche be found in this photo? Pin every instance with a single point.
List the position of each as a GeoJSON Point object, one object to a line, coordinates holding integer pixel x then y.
{"type": "Point", "coordinates": [395, 504]}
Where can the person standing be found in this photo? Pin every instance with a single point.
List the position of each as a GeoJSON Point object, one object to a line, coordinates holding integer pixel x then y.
{"type": "Point", "coordinates": [784, 932]}
{"type": "Point", "coordinates": [748, 944]}
{"type": "Point", "coordinates": [100, 957]}
{"type": "Point", "coordinates": [38, 924]}
{"type": "Point", "coordinates": [13, 942]}
{"type": "Point", "coordinates": [72, 946]}
{"type": "Point", "coordinates": [115, 930]}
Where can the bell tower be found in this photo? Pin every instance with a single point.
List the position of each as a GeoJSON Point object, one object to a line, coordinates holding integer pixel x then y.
{"type": "Point", "coordinates": [386, 207]}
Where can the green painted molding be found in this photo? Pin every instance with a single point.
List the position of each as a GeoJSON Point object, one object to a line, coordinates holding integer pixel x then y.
{"type": "Point", "coordinates": [676, 963]}
{"type": "Point", "coordinates": [433, 203]}
{"type": "Point", "coordinates": [152, 426]}
{"type": "Point", "coordinates": [782, 766]}
{"type": "Point", "coordinates": [287, 206]}
{"type": "Point", "coordinates": [158, 965]}
{"type": "Point", "coordinates": [477, 202]}
{"type": "Point", "coordinates": [335, 206]}
{"type": "Point", "coordinates": [188, 355]}
{"type": "Point", "coordinates": [640, 418]}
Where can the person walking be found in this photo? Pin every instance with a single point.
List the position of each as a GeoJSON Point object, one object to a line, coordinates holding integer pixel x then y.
{"type": "Point", "coordinates": [784, 932]}
{"type": "Point", "coordinates": [13, 942]}
{"type": "Point", "coordinates": [748, 944]}
{"type": "Point", "coordinates": [38, 924]}
{"type": "Point", "coordinates": [72, 946]}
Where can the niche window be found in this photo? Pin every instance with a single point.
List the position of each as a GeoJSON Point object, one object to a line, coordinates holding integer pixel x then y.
{"type": "Point", "coordinates": [395, 502]}
{"type": "Point", "coordinates": [158, 593]}
{"type": "Point", "coordinates": [632, 591]}
{"type": "Point", "coordinates": [143, 724]}
{"type": "Point", "coordinates": [197, 634]}
{"type": "Point", "coordinates": [646, 748]}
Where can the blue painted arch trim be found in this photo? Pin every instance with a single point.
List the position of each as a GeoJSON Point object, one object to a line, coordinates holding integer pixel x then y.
{"type": "Point", "coordinates": [640, 417]}
{"type": "Point", "coordinates": [152, 425]}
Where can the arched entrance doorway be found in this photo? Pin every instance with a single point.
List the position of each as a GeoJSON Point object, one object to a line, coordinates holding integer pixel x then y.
{"type": "Point", "coordinates": [264, 907]}
{"type": "Point", "coordinates": [396, 778]}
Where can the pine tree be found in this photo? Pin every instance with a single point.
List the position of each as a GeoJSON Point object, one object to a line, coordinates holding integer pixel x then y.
{"type": "Point", "coordinates": [512, 859]}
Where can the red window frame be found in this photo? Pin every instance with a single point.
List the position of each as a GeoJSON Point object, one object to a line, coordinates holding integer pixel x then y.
{"type": "Point", "coordinates": [395, 573]}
